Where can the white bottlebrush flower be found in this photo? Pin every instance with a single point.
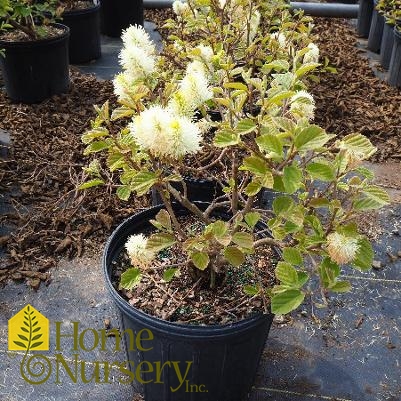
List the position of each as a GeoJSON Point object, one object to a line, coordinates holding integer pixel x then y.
{"type": "Point", "coordinates": [193, 91]}
{"type": "Point", "coordinates": [180, 8]}
{"type": "Point", "coordinates": [137, 252]}
{"type": "Point", "coordinates": [313, 54]}
{"type": "Point", "coordinates": [137, 62]}
{"type": "Point", "coordinates": [122, 85]}
{"type": "Point", "coordinates": [280, 38]}
{"type": "Point", "coordinates": [136, 36]}
{"type": "Point", "coordinates": [222, 3]}
{"type": "Point", "coordinates": [302, 105]}
{"type": "Point", "coordinates": [164, 134]}
{"type": "Point", "coordinates": [342, 249]}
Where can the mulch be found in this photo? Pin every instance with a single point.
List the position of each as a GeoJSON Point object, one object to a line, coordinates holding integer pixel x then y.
{"type": "Point", "coordinates": [354, 99]}
{"type": "Point", "coordinates": [51, 219]}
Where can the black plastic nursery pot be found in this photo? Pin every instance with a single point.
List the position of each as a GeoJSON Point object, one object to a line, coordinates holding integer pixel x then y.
{"type": "Point", "coordinates": [394, 74]}
{"type": "Point", "coordinates": [365, 12]}
{"type": "Point", "coordinates": [35, 70]}
{"type": "Point", "coordinates": [84, 27]}
{"type": "Point", "coordinates": [117, 15]}
{"type": "Point", "coordinates": [376, 31]}
{"type": "Point", "coordinates": [386, 47]}
{"type": "Point", "coordinates": [220, 362]}
{"type": "Point", "coordinates": [197, 190]}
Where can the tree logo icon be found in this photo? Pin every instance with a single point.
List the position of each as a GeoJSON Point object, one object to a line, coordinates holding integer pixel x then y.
{"type": "Point", "coordinates": [28, 330]}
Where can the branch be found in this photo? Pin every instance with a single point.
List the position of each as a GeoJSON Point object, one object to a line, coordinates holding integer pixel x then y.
{"type": "Point", "coordinates": [22, 28]}
{"type": "Point", "coordinates": [268, 241]}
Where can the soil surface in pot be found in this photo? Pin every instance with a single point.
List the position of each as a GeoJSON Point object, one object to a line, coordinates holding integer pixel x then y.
{"type": "Point", "coordinates": [43, 32]}
{"type": "Point", "coordinates": [190, 300]}
{"type": "Point", "coordinates": [75, 5]}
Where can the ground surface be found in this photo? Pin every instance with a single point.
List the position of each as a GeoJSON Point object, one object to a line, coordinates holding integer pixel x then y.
{"type": "Point", "coordinates": [353, 354]}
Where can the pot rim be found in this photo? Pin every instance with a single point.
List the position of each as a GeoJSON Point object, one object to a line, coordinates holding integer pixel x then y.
{"type": "Point", "coordinates": [160, 324]}
{"type": "Point", "coordinates": [81, 11]}
{"type": "Point", "coordinates": [38, 42]}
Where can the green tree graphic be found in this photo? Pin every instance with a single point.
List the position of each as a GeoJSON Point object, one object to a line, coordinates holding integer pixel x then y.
{"type": "Point", "coordinates": [31, 331]}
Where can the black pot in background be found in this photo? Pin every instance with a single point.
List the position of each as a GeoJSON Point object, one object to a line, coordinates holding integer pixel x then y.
{"type": "Point", "coordinates": [224, 358]}
{"type": "Point", "coordinates": [84, 34]}
{"type": "Point", "coordinates": [394, 74]}
{"type": "Point", "coordinates": [117, 15]}
{"type": "Point", "coordinates": [386, 47]}
{"type": "Point", "coordinates": [198, 190]}
{"type": "Point", "coordinates": [365, 12]}
{"type": "Point", "coordinates": [376, 31]}
{"type": "Point", "coordinates": [35, 70]}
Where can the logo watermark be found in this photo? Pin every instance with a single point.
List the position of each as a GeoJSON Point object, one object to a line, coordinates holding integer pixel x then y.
{"type": "Point", "coordinates": [29, 332]}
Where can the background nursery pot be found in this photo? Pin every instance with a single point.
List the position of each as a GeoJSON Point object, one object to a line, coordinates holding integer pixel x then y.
{"type": "Point", "coordinates": [394, 78]}
{"type": "Point", "coordinates": [387, 43]}
{"type": "Point", "coordinates": [117, 15]}
{"type": "Point", "coordinates": [35, 70]}
{"type": "Point", "coordinates": [376, 31]}
{"type": "Point", "coordinates": [364, 17]}
{"type": "Point", "coordinates": [224, 358]}
{"type": "Point", "coordinates": [84, 27]}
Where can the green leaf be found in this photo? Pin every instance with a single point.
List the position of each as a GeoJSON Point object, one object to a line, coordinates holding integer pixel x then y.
{"type": "Point", "coordinates": [270, 143]}
{"type": "Point", "coordinates": [234, 255]}
{"type": "Point", "coordinates": [159, 241]}
{"type": "Point", "coordinates": [364, 256]}
{"type": "Point", "coordinates": [305, 68]}
{"type": "Point", "coordinates": [169, 274]}
{"type": "Point", "coordinates": [89, 136]}
{"type": "Point", "coordinates": [341, 286]}
{"type": "Point", "coordinates": [253, 188]}
{"type": "Point", "coordinates": [302, 278]}
{"type": "Point", "coordinates": [226, 138]}
{"type": "Point", "coordinates": [96, 147]}
{"type": "Point", "coordinates": [287, 274]}
{"type": "Point", "coordinates": [121, 112]}
{"type": "Point", "coordinates": [267, 181]}
{"type": "Point", "coordinates": [123, 192]}
{"type": "Point", "coordinates": [277, 65]}
{"type": "Point", "coordinates": [372, 197]}
{"type": "Point", "coordinates": [235, 85]}
{"type": "Point", "coordinates": [286, 301]}
{"type": "Point", "coordinates": [218, 228]}
{"type": "Point", "coordinates": [245, 126]}
{"type": "Point", "coordinates": [130, 278]}
{"type": "Point", "coordinates": [321, 171]}
{"type": "Point", "coordinates": [251, 290]}
{"type": "Point", "coordinates": [293, 256]}
{"type": "Point", "coordinates": [255, 165]}
{"type": "Point", "coordinates": [163, 217]}
{"type": "Point", "coordinates": [252, 218]}
{"type": "Point", "coordinates": [328, 271]}
{"type": "Point", "coordinates": [311, 138]}
{"type": "Point", "coordinates": [244, 240]}
{"type": "Point", "coordinates": [91, 183]}
{"type": "Point", "coordinates": [292, 179]}
{"type": "Point", "coordinates": [282, 204]}
{"type": "Point", "coordinates": [365, 172]}
{"type": "Point", "coordinates": [143, 181]}
{"type": "Point", "coordinates": [200, 260]}
{"type": "Point", "coordinates": [359, 144]}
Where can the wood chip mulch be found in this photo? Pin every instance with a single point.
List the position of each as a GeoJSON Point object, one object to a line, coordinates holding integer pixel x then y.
{"type": "Point", "coordinates": [354, 99]}
{"type": "Point", "coordinates": [47, 216]}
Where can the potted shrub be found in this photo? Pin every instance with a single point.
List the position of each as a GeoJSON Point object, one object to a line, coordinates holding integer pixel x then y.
{"type": "Point", "coordinates": [116, 15]}
{"type": "Point", "coordinates": [203, 278]}
{"type": "Point", "coordinates": [83, 20]}
{"type": "Point", "coordinates": [391, 11]}
{"type": "Point", "coordinates": [35, 62]}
